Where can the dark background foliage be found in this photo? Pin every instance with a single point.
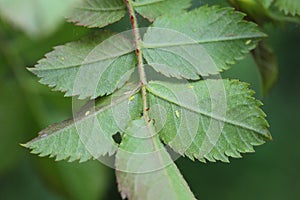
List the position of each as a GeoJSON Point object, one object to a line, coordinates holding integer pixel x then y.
{"type": "Point", "coordinates": [27, 107]}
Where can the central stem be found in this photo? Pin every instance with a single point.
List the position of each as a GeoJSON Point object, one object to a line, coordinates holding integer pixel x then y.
{"type": "Point", "coordinates": [139, 54]}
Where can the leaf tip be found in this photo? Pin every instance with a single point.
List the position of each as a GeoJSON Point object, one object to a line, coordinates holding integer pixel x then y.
{"type": "Point", "coordinates": [269, 136]}
{"type": "Point", "coordinates": [24, 145]}
{"type": "Point", "coordinates": [31, 69]}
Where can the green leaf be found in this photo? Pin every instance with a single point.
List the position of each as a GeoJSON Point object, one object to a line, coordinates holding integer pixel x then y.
{"type": "Point", "coordinates": [260, 11]}
{"type": "Point", "coordinates": [36, 18]}
{"type": "Point", "coordinates": [152, 9]}
{"type": "Point", "coordinates": [98, 13]}
{"type": "Point", "coordinates": [256, 10]}
{"type": "Point", "coordinates": [251, 4]}
{"type": "Point", "coordinates": [178, 47]}
{"type": "Point", "coordinates": [266, 3]}
{"type": "Point", "coordinates": [89, 135]}
{"type": "Point", "coordinates": [210, 119]}
{"type": "Point", "coordinates": [266, 61]}
{"type": "Point", "coordinates": [289, 6]}
{"type": "Point", "coordinates": [91, 67]}
{"type": "Point", "coordinates": [144, 168]}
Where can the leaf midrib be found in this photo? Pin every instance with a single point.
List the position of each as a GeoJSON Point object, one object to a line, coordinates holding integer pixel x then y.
{"type": "Point", "coordinates": [222, 39]}
{"type": "Point", "coordinates": [119, 8]}
{"type": "Point", "coordinates": [152, 46]}
{"type": "Point", "coordinates": [155, 141]}
{"type": "Point", "coordinates": [78, 65]}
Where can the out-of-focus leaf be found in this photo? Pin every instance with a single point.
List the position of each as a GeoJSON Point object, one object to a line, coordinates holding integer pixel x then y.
{"type": "Point", "coordinates": [256, 10]}
{"type": "Point", "coordinates": [267, 65]}
{"type": "Point", "coordinates": [289, 6]}
{"type": "Point", "coordinates": [36, 17]}
{"type": "Point", "coordinates": [266, 3]}
{"type": "Point", "coordinates": [262, 12]}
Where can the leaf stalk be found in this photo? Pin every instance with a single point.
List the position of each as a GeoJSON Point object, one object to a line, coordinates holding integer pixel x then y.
{"type": "Point", "coordinates": [138, 50]}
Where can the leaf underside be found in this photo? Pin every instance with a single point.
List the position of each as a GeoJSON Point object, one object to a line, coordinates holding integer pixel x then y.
{"type": "Point", "coordinates": [178, 47]}
{"type": "Point", "coordinates": [100, 65]}
{"type": "Point", "coordinates": [89, 135]}
{"type": "Point", "coordinates": [151, 9]}
{"type": "Point", "coordinates": [92, 67]}
{"type": "Point", "coordinates": [144, 168]}
{"type": "Point", "coordinates": [208, 120]}
{"type": "Point", "coordinates": [98, 13]}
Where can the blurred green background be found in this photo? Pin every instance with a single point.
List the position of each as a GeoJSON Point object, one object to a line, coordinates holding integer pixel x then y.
{"type": "Point", "coordinates": [26, 107]}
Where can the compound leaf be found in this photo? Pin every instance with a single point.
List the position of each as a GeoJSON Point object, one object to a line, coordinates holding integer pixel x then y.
{"type": "Point", "coordinates": [91, 67]}
{"type": "Point", "coordinates": [98, 13]}
{"type": "Point", "coordinates": [89, 134]}
{"type": "Point", "coordinates": [144, 168]}
{"type": "Point", "coordinates": [289, 6]}
{"type": "Point", "coordinates": [152, 9]}
{"type": "Point", "coordinates": [208, 120]}
{"type": "Point", "coordinates": [202, 42]}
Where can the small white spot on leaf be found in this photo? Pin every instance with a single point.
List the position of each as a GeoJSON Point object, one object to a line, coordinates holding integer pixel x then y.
{"type": "Point", "coordinates": [248, 42]}
{"type": "Point", "coordinates": [177, 113]}
{"type": "Point", "coordinates": [43, 135]}
{"type": "Point", "coordinates": [87, 113]}
{"type": "Point", "coordinates": [131, 98]}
